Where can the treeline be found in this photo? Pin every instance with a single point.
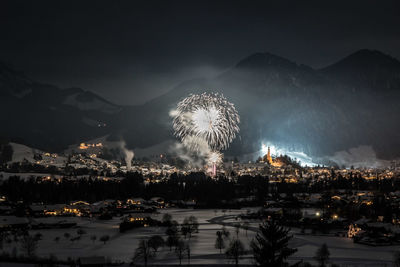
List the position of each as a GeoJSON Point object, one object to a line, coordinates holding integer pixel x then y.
{"type": "Point", "coordinates": [206, 191]}
{"type": "Point", "coordinates": [194, 186]}
{"type": "Point", "coordinates": [36, 190]}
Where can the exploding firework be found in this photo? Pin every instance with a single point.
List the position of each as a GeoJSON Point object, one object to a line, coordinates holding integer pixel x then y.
{"type": "Point", "coordinates": [214, 158]}
{"type": "Point", "coordinates": [208, 117]}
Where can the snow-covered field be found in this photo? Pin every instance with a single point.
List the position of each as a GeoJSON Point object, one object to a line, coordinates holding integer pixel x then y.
{"type": "Point", "coordinates": [121, 247]}
{"type": "Point", "coordinates": [22, 152]}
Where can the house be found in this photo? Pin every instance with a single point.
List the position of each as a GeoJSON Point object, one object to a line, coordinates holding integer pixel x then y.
{"type": "Point", "coordinates": [135, 201]}
{"type": "Point", "coordinates": [311, 213]}
{"type": "Point", "coordinates": [77, 208]}
{"type": "Point", "coordinates": [159, 201]}
{"type": "Point", "coordinates": [135, 220]}
{"type": "Point", "coordinates": [46, 210]}
{"type": "Point", "coordinates": [54, 210]}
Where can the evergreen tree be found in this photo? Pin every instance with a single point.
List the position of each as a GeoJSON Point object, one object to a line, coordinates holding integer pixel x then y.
{"type": "Point", "coordinates": [270, 246]}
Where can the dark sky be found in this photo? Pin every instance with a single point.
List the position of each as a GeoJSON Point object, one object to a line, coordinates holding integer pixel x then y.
{"type": "Point", "coordinates": [131, 51]}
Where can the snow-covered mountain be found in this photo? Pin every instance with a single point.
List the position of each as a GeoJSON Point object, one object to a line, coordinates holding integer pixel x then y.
{"type": "Point", "coordinates": [48, 117]}
{"type": "Point", "coordinates": [319, 112]}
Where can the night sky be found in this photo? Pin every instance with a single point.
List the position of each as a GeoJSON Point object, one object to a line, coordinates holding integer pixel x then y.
{"type": "Point", "coordinates": [132, 51]}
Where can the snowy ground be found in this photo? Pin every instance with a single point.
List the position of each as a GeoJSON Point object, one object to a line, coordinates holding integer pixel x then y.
{"type": "Point", "coordinates": [121, 247]}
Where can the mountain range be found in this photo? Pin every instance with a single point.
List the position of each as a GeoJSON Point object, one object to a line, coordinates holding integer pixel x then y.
{"type": "Point", "coordinates": [318, 111]}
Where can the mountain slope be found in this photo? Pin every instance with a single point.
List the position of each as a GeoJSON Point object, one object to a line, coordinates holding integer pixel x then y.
{"type": "Point", "coordinates": [367, 70]}
{"type": "Point", "coordinates": [287, 104]}
{"type": "Point", "coordinates": [47, 117]}
{"type": "Point", "coordinates": [350, 103]}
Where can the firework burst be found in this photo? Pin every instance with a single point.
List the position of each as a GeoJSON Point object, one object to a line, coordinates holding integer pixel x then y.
{"type": "Point", "coordinates": [214, 158]}
{"type": "Point", "coordinates": [208, 117]}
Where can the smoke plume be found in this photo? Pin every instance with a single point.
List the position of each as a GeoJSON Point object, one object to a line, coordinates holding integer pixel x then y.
{"type": "Point", "coordinates": [128, 155]}
{"type": "Point", "coordinates": [359, 157]}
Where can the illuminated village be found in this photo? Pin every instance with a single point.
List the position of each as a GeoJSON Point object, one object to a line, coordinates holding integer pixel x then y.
{"type": "Point", "coordinates": [360, 205]}
{"type": "Point", "coordinates": [199, 133]}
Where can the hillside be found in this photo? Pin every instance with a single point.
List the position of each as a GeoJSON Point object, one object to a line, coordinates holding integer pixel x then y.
{"type": "Point", "coordinates": [318, 112]}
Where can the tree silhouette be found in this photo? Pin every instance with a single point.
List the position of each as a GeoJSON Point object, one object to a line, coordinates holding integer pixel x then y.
{"type": "Point", "coordinates": [180, 250]}
{"type": "Point", "coordinates": [270, 246]}
{"type": "Point", "coordinates": [322, 255]}
{"type": "Point", "coordinates": [29, 245]}
{"type": "Point", "coordinates": [172, 233]}
{"type": "Point", "coordinates": [246, 226]}
{"type": "Point", "coordinates": [81, 232]}
{"type": "Point", "coordinates": [237, 229]}
{"type": "Point", "coordinates": [225, 232]}
{"type": "Point", "coordinates": [189, 226]}
{"type": "Point", "coordinates": [219, 242]}
{"type": "Point", "coordinates": [144, 252]}
{"type": "Point", "coordinates": [235, 250]}
{"type": "Point", "coordinates": [188, 252]}
{"type": "Point", "coordinates": [155, 242]}
{"type": "Point", "coordinates": [67, 235]}
{"type": "Point", "coordinates": [167, 219]}
{"type": "Point", "coordinates": [93, 238]}
{"type": "Point", "coordinates": [104, 238]}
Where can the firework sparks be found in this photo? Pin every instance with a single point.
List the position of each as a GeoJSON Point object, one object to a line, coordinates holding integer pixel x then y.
{"type": "Point", "coordinates": [214, 159]}
{"type": "Point", "coordinates": [209, 117]}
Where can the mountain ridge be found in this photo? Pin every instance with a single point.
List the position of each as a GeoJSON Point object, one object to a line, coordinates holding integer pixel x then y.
{"type": "Point", "coordinates": [318, 111]}
{"type": "Point", "coordinates": [366, 69]}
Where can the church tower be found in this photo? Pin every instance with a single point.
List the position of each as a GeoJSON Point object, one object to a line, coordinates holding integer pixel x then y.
{"type": "Point", "coordinates": [269, 159]}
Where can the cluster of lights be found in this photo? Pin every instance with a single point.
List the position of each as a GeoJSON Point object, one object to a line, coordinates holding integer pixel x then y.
{"type": "Point", "coordinates": [86, 146]}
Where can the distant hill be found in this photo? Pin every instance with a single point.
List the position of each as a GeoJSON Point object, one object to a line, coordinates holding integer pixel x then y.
{"type": "Point", "coordinates": [44, 116]}
{"type": "Point", "coordinates": [350, 103]}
